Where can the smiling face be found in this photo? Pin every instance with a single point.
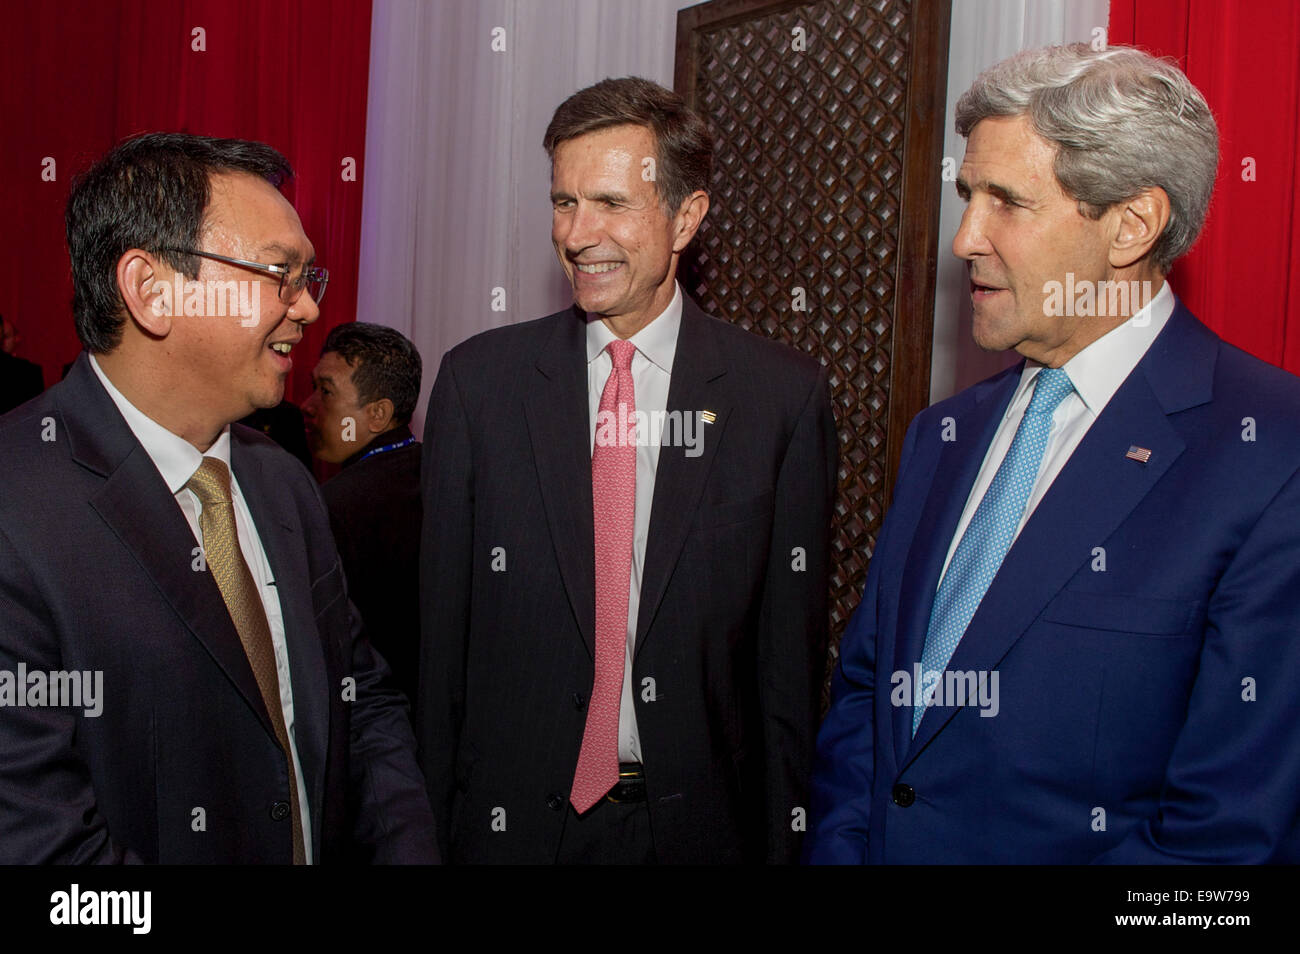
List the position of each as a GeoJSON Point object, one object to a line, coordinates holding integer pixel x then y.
{"type": "Point", "coordinates": [1019, 232]}
{"type": "Point", "coordinates": [614, 240]}
{"type": "Point", "coordinates": [226, 362]}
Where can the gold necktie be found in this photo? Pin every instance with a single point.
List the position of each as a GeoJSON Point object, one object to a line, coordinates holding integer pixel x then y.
{"type": "Point", "coordinates": [211, 484]}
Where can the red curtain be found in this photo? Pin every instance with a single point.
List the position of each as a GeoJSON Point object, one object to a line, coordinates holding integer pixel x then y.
{"type": "Point", "coordinates": [1243, 276]}
{"type": "Point", "coordinates": [80, 76]}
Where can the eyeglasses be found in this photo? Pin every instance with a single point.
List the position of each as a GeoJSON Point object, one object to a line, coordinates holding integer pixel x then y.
{"type": "Point", "coordinates": [312, 279]}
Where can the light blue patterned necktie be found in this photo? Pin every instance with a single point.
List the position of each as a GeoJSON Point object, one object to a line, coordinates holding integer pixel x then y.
{"type": "Point", "coordinates": [989, 535]}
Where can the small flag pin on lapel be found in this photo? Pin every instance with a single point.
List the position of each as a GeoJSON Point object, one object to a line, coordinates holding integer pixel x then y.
{"type": "Point", "coordinates": [1139, 454]}
{"type": "Point", "coordinates": [708, 416]}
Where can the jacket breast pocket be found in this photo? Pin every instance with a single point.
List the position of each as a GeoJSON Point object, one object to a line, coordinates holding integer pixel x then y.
{"type": "Point", "coordinates": [1135, 615]}
{"type": "Point", "coordinates": [733, 512]}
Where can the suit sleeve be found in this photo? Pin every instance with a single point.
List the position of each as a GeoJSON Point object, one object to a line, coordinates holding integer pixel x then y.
{"type": "Point", "coordinates": [843, 776]}
{"type": "Point", "coordinates": [792, 628]}
{"type": "Point", "coordinates": [445, 582]}
{"type": "Point", "coordinates": [392, 822]}
{"type": "Point", "coordinates": [1232, 787]}
{"type": "Point", "coordinates": [48, 811]}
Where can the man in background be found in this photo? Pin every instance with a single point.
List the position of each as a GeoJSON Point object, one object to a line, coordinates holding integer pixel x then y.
{"type": "Point", "coordinates": [367, 382]}
{"type": "Point", "coordinates": [20, 379]}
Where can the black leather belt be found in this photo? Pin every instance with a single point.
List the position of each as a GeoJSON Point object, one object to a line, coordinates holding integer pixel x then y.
{"type": "Point", "coordinates": [631, 784]}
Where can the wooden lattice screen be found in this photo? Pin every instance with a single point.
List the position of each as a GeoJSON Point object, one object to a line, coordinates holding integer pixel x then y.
{"type": "Point", "coordinates": [827, 118]}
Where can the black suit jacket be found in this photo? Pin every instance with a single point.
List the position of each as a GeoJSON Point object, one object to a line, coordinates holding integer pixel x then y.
{"type": "Point", "coordinates": [20, 381]}
{"type": "Point", "coordinates": [374, 508]}
{"type": "Point", "coordinates": [732, 622]}
{"type": "Point", "coordinates": [96, 574]}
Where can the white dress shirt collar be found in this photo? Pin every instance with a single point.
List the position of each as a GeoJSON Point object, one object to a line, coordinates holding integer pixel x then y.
{"type": "Point", "coordinates": [176, 458]}
{"type": "Point", "coordinates": [657, 341]}
{"type": "Point", "coordinates": [1099, 369]}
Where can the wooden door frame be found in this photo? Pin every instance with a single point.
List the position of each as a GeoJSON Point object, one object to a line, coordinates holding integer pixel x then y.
{"type": "Point", "coordinates": [912, 324]}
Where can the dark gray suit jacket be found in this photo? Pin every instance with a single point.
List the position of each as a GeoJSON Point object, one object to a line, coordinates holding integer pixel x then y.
{"type": "Point", "coordinates": [731, 633]}
{"type": "Point", "coordinates": [96, 574]}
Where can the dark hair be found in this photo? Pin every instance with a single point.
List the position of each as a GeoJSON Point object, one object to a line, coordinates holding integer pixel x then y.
{"type": "Point", "coordinates": [683, 146]}
{"type": "Point", "coordinates": [149, 192]}
{"type": "Point", "coordinates": [384, 364]}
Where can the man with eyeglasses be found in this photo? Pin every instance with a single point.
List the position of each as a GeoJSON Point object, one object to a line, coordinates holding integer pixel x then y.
{"type": "Point", "coordinates": [183, 678]}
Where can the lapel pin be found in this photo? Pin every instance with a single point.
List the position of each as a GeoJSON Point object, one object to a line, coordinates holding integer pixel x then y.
{"type": "Point", "coordinates": [708, 416]}
{"type": "Point", "coordinates": [1139, 454]}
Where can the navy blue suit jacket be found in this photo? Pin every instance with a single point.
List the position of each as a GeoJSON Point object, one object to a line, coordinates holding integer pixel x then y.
{"type": "Point", "coordinates": [1144, 627]}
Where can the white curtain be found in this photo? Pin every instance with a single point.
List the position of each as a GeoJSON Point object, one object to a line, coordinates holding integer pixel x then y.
{"type": "Point", "coordinates": [456, 216]}
{"type": "Point", "coordinates": [984, 32]}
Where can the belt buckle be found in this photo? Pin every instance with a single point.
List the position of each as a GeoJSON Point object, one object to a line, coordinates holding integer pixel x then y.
{"type": "Point", "coordinates": [631, 777]}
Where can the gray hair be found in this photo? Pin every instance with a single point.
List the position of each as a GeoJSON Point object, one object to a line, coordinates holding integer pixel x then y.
{"type": "Point", "coordinates": [1121, 120]}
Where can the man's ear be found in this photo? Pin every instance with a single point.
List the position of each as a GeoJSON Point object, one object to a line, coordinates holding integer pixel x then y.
{"type": "Point", "coordinates": [379, 415]}
{"type": "Point", "coordinates": [148, 297]}
{"type": "Point", "coordinates": [688, 219]}
{"type": "Point", "coordinates": [1142, 220]}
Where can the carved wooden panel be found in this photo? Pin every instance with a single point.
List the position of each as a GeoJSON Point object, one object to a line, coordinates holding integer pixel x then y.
{"type": "Point", "coordinates": [824, 215]}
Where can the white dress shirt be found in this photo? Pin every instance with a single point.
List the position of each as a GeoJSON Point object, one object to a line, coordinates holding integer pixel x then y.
{"type": "Point", "coordinates": [1097, 373]}
{"type": "Point", "coordinates": [652, 368]}
{"type": "Point", "coordinates": [176, 460]}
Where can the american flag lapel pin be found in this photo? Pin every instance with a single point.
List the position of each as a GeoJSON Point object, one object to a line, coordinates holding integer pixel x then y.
{"type": "Point", "coordinates": [708, 417]}
{"type": "Point", "coordinates": [1139, 454]}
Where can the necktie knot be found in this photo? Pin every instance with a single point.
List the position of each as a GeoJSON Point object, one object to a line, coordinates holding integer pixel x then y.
{"type": "Point", "coordinates": [211, 482]}
{"type": "Point", "coordinates": [1050, 388]}
{"type": "Point", "coordinates": [621, 352]}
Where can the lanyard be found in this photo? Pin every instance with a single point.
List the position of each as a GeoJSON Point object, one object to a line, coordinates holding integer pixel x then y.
{"type": "Point", "coordinates": [388, 447]}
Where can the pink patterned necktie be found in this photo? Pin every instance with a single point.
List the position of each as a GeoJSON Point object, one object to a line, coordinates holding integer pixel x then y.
{"type": "Point", "coordinates": [613, 494]}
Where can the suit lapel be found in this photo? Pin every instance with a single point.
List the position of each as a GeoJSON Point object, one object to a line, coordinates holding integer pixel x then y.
{"type": "Point", "coordinates": [696, 385]}
{"type": "Point", "coordinates": [137, 506]}
{"type": "Point", "coordinates": [1091, 497]}
{"type": "Point", "coordinates": [955, 469]}
{"type": "Point", "coordinates": [271, 504]}
{"type": "Point", "coordinates": [559, 427]}
{"type": "Point", "coordinates": [558, 416]}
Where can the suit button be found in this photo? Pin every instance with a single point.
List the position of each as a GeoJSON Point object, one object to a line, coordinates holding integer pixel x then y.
{"type": "Point", "coordinates": [554, 802]}
{"type": "Point", "coordinates": [904, 795]}
{"type": "Point", "coordinates": [280, 811]}
{"type": "Point", "coordinates": [579, 700]}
